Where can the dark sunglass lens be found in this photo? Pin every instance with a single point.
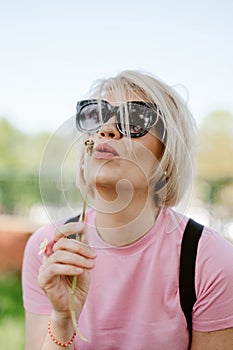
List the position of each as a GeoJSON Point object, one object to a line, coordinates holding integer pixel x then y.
{"type": "Point", "coordinates": [139, 118]}
{"type": "Point", "coordinates": [89, 119]}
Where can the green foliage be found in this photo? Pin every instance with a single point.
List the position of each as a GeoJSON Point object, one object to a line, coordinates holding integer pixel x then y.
{"type": "Point", "coordinates": [21, 156]}
{"type": "Point", "coordinates": [215, 152]}
{"type": "Point", "coordinates": [20, 151]}
{"type": "Point", "coordinates": [12, 334]}
{"type": "Point", "coordinates": [11, 313]}
{"type": "Point", "coordinates": [214, 157]}
{"type": "Point", "coordinates": [19, 167]}
{"type": "Point", "coordinates": [18, 191]}
{"type": "Point", "coordinates": [11, 297]}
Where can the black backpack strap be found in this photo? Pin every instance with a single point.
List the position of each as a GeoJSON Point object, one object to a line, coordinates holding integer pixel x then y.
{"type": "Point", "coordinates": [74, 219]}
{"type": "Point", "coordinates": [188, 254]}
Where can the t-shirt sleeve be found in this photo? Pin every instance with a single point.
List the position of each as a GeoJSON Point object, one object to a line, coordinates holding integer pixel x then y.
{"type": "Point", "coordinates": [213, 309]}
{"type": "Point", "coordinates": [34, 299]}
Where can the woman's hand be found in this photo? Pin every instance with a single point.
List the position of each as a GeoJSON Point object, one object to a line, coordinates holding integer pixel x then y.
{"type": "Point", "coordinates": [69, 258]}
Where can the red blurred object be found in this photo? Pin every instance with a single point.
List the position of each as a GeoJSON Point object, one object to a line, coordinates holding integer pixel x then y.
{"type": "Point", "coordinates": [14, 233]}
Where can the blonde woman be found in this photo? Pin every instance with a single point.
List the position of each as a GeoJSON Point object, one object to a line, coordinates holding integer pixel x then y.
{"type": "Point", "coordinates": [128, 260]}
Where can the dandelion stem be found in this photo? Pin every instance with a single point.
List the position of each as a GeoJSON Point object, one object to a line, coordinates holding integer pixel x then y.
{"type": "Point", "coordinates": [89, 144]}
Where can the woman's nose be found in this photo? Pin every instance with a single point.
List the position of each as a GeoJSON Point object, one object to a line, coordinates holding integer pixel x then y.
{"type": "Point", "coordinates": [109, 130]}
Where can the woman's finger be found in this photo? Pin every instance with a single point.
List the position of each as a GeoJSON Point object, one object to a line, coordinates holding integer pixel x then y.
{"type": "Point", "coordinates": [48, 272]}
{"type": "Point", "coordinates": [74, 246]}
{"type": "Point", "coordinates": [69, 229]}
{"type": "Point", "coordinates": [68, 258]}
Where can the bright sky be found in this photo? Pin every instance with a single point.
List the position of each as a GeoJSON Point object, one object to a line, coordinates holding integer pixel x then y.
{"type": "Point", "coordinates": [51, 51]}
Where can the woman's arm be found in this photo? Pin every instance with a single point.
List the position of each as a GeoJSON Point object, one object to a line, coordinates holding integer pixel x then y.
{"type": "Point", "coordinates": [217, 340]}
{"type": "Point", "coordinates": [68, 258]}
{"type": "Point", "coordinates": [213, 310]}
{"type": "Point", "coordinates": [36, 332]}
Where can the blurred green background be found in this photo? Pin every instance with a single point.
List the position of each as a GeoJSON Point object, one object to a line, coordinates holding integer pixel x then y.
{"type": "Point", "coordinates": [11, 312]}
{"type": "Point", "coordinates": [22, 211]}
{"type": "Point", "coordinates": [21, 208]}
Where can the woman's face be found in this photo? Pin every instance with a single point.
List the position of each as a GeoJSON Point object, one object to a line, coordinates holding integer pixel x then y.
{"type": "Point", "coordinates": [120, 162]}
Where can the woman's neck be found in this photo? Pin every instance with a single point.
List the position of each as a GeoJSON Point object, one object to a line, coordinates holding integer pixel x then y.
{"type": "Point", "coordinates": [123, 221]}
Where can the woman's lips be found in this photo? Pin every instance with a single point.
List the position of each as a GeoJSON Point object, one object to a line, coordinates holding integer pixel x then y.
{"type": "Point", "coordinates": [105, 151]}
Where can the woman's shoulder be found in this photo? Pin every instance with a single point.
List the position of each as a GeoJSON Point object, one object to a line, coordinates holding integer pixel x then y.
{"type": "Point", "coordinates": [215, 248]}
{"type": "Point", "coordinates": [46, 231]}
{"type": "Point", "coordinates": [213, 281]}
{"type": "Point", "coordinates": [210, 239]}
{"type": "Point", "coordinates": [172, 221]}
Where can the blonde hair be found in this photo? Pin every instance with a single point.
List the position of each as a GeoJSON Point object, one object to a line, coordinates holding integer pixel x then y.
{"type": "Point", "coordinates": [178, 122]}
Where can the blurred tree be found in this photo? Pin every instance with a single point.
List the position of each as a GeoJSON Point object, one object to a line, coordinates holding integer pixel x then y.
{"type": "Point", "coordinates": [20, 155]}
{"type": "Point", "coordinates": [215, 154]}
{"type": "Point", "coordinates": [20, 159]}
{"type": "Point", "coordinates": [20, 151]}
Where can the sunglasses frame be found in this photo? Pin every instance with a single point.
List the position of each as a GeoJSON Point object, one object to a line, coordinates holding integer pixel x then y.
{"type": "Point", "coordinates": [114, 111]}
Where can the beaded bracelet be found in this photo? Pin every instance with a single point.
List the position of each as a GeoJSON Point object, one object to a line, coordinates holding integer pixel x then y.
{"type": "Point", "coordinates": [57, 342]}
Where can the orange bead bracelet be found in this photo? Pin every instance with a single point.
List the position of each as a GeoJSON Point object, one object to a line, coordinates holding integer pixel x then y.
{"type": "Point", "coordinates": [57, 342]}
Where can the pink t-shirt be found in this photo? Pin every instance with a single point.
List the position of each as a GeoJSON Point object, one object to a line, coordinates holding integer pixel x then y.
{"type": "Point", "coordinates": [133, 301]}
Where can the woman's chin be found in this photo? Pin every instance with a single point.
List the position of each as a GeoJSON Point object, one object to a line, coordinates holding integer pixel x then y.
{"type": "Point", "coordinates": [105, 181]}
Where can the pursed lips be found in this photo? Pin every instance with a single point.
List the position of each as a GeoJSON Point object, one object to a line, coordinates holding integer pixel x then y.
{"type": "Point", "coordinates": [105, 151]}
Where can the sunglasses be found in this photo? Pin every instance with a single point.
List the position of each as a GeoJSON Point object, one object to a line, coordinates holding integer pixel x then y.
{"type": "Point", "coordinates": [92, 114]}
